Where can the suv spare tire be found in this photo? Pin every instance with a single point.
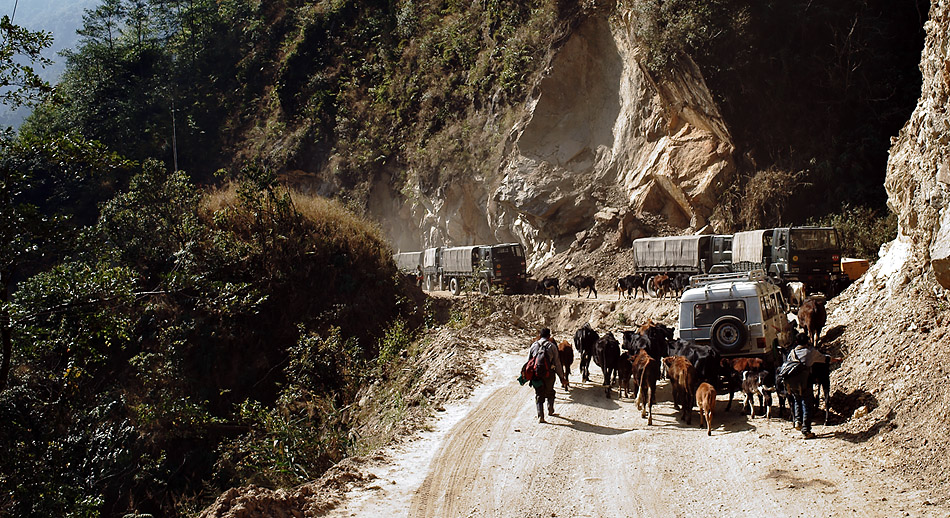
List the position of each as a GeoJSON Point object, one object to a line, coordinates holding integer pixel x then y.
{"type": "Point", "coordinates": [728, 334]}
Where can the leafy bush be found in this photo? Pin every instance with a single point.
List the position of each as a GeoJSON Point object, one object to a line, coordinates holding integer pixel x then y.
{"type": "Point", "coordinates": [862, 230]}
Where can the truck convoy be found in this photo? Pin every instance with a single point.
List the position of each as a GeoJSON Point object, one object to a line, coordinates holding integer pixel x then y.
{"type": "Point", "coordinates": [481, 266]}
{"type": "Point", "coordinates": [811, 255]}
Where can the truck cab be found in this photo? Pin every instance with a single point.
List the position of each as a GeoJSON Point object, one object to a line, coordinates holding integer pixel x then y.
{"type": "Point", "coordinates": [740, 314]}
{"type": "Point", "coordinates": [811, 255]}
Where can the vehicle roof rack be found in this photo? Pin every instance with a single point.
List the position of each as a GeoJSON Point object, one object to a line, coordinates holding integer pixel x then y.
{"type": "Point", "coordinates": [714, 278]}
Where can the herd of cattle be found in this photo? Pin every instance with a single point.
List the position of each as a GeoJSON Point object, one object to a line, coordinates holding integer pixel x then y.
{"type": "Point", "coordinates": [695, 371]}
{"type": "Point", "coordinates": [628, 286]}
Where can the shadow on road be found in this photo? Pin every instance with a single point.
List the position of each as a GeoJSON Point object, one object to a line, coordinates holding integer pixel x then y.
{"type": "Point", "coordinates": [582, 426]}
{"type": "Point", "coordinates": [592, 394]}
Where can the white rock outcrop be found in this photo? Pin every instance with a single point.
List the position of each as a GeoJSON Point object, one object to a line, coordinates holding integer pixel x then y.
{"type": "Point", "coordinates": [597, 133]}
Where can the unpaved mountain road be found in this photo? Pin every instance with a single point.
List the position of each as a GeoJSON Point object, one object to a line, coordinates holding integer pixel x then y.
{"type": "Point", "coordinates": [489, 456]}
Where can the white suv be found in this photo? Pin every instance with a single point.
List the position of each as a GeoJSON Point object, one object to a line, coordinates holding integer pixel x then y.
{"type": "Point", "coordinates": [740, 314]}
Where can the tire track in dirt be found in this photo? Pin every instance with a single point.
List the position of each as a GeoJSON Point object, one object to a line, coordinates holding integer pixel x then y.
{"type": "Point", "coordinates": [457, 466]}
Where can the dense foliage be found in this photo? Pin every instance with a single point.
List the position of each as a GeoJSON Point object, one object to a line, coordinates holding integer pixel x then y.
{"type": "Point", "coordinates": [181, 345]}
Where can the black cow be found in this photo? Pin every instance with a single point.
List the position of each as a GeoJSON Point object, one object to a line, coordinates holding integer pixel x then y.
{"type": "Point", "coordinates": [659, 337]}
{"type": "Point", "coordinates": [606, 356]}
{"type": "Point", "coordinates": [630, 286]}
{"type": "Point", "coordinates": [624, 371]}
{"type": "Point", "coordinates": [550, 284]}
{"type": "Point", "coordinates": [679, 283]}
{"type": "Point", "coordinates": [583, 281]}
{"type": "Point", "coordinates": [584, 340]}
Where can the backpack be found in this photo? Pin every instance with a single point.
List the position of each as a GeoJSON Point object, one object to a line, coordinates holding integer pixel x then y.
{"type": "Point", "coordinates": [793, 371]}
{"type": "Point", "coordinates": [538, 367]}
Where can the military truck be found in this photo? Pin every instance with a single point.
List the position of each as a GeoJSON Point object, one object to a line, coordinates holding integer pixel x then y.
{"type": "Point", "coordinates": [482, 266]}
{"type": "Point", "coordinates": [810, 255]}
{"type": "Point", "coordinates": [408, 262]}
{"type": "Point", "coordinates": [690, 255]}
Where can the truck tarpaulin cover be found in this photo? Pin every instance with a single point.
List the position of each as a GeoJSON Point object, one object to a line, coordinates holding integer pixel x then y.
{"type": "Point", "coordinates": [677, 251]}
{"type": "Point", "coordinates": [748, 246]}
{"type": "Point", "coordinates": [458, 259]}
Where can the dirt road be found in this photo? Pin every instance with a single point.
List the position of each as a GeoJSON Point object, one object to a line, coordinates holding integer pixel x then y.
{"type": "Point", "coordinates": [490, 457]}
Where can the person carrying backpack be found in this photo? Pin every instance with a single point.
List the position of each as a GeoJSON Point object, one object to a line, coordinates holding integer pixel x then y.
{"type": "Point", "coordinates": [548, 364]}
{"type": "Point", "coordinates": [798, 382]}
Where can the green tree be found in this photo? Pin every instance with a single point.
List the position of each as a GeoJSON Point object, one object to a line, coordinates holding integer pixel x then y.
{"type": "Point", "coordinates": [20, 50]}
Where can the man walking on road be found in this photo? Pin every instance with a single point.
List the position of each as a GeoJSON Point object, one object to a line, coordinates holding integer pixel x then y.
{"type": "Point", "coordinates": [799, 386]}
{"type": "Point", "coordinates": [544, 388]}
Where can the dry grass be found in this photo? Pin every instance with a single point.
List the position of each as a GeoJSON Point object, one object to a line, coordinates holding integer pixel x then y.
{"type": "Point", "coordinates": [324, 215]}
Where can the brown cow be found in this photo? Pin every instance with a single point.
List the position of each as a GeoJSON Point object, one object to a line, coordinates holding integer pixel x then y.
{"type": "Point", "coordinates": [662, 285]}
{"type": "Point", "coordinates": [646, 372]}
{"type": "Point", "coordinates": [706, 401]}
{"type": "Point", "coordinates": [566, 354]}
{"type": "Point", "coordinates": [682, 377]}
{"type": "Point", "coordinates": [734, 367]}
{"type": "Point", "coordinates": [812, 317]}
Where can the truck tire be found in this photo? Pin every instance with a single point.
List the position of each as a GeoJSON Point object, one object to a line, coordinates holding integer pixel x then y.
{"type": "Point", "coordinates": [728, 334]}
{"type": "Point", "coordinates": [651, 291]}
{"type": "Point", "coordinates": [484, 287]}
{"type": "Point", "coordinates": [455, 286]}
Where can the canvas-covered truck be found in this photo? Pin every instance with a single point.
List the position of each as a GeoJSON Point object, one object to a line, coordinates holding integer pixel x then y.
{"type": "Point", "coordinates": [482, 266]}
{"type": "Point", "coordinates": [810, 255]}
{"type": "Point", "coordinates": [691, 255]}
{"type": "Point", "coordinates": [408, 262]}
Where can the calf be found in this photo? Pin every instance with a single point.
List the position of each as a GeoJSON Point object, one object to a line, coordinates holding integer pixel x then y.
{"type": "Point", "coordinates": [549, 285]}
{"type": "Point", "coordinates": [683, 382]}
{"type": "Point", "coordinates": [583, 281]}
{"type": "Point", "coordinates": [734, 367]}
{"type": "Point", "coordinates": [566, 354]}
{"type": "Point", "coordinates": [704, 358]}
{"type": "Point", "coordinates": [753, 384]}
{"type": "Point", "coordinates": [661, 285]}
{"type": "Point", "coordinates": [606, 356]}
{"type": "Point", "coordinates": [821, 379]}
{"type": "Point", "coordinates": [646, 372]}
{"type": "Point", "coordinates": [629, 286]}
{"type": "Point", "coordinates": [796, 293]}
{"type": "Point", "coordinates": [584, 340]}
{"type": "Point", "coordinates": [812, 317]}
{"type": "Point", "coordinates": [706, 401]}
{"type": "Point", "coordinates": [624, 371]}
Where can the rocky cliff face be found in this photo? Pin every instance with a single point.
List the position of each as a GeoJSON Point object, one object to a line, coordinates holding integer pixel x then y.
{"type": "Point", "coordinates": [918, 170]}
{"type": "Point", "coordinates": [596, 134]}
{"type": "Point", "coordinates": [895, 321]}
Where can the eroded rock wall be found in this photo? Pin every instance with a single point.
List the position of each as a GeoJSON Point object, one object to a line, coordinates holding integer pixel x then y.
{"type": "Point", "coordinates": [918, 169]}
{"type": "Point", "coordinates": [597, 133]}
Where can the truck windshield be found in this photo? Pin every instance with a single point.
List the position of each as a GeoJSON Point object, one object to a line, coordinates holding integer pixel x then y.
{"type": "Point", "coordinates": [507, 251]}
{"type": "Point", "coordinates": [813, 239]}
